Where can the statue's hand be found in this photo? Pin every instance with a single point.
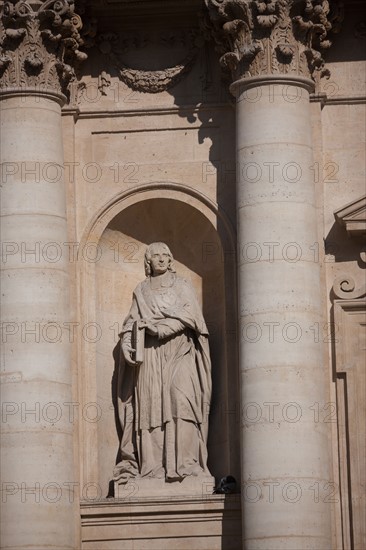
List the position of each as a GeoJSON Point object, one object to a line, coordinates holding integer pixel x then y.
{"type": "Point", "coordinates": [151, 329]}
{"type": "Point", "coordinates": [127, 353]}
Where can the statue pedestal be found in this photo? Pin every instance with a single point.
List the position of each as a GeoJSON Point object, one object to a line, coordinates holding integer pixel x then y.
{"type": "Point", "coordinates": [149, 487]}
{"type": "Point", "coordinates": [161, 523]}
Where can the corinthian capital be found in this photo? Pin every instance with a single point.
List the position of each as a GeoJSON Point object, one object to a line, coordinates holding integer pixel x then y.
{"type": "Point", "coordinates": [272, 37]}
{"type": "Point", "coordinates": [39, 45]}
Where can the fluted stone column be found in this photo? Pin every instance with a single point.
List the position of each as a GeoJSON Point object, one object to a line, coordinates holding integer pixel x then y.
{"type": "Point", "coordinates": [272, 50]}
{"type": "Point", "coordinates": [39, 483]}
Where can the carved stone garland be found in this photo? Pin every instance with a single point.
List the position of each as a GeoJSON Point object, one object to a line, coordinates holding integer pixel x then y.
{"type": "Point", "coordinates": [268, 37]}
{"type": "Point", "coordinates": [144, 80]}
{"type": "Point", "coordinates": [39, 45]}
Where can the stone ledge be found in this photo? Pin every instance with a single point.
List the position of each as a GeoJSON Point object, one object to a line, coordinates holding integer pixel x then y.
{"type": "Point", "coordinates": [212, 522]}
{"type": "Point", "coordinates": [201, 486]}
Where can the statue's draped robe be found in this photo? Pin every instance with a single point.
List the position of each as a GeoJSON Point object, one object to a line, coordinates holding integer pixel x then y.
{"type": "Point", "coordinates": [164, 402]}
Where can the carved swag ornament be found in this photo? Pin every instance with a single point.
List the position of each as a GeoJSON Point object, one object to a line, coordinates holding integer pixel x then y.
{"type": "Point", "coordinates": [40, 44]}
{"type": "Point", "coordinates": [269, 37]}
{"type": "Point", "coordinates": [113, 46]}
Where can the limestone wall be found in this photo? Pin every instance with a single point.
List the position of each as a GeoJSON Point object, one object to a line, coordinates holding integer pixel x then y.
{"type": "Point", "coordinates": [146, 166]}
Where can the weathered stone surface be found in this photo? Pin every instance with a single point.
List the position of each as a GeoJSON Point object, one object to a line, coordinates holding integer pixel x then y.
{"type": "Point", "coordinates": [200, 523]}
{"type": "Point", "coordinates": [164, 382]}
{"type": "Point", "coordinates": [40, 45]}
{"type": "Point", "coordinates": [150, 153]}
{"type": "Point", "coordinates": [282, 37]}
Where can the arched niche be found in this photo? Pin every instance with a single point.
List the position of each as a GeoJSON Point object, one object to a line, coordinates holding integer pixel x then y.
{"type": "Point", "coordinates": [193, 235]}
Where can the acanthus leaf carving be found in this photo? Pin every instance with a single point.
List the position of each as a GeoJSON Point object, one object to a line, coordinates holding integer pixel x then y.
{"type": "Point", "coordinates": [40, 44]}
{"type": "Point", "coordinates": [269, 37]}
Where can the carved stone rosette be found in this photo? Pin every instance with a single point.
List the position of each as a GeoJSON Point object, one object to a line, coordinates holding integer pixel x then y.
{"type": "Point", "coordinates": [272, 37]}
{"type": "Point", "coordinates": [39, 45]}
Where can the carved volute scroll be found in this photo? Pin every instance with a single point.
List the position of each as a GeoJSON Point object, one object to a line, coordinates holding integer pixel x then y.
{"type": "Point", "coordinates": [40, 44]}
{"type": "Point", "coordinates": [344, 287]}
{"type": "Point", "coordinates": [272, 37]}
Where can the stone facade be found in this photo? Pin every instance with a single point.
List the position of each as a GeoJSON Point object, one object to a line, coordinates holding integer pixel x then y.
{"type": "Point", "coordinates": [233, 131]}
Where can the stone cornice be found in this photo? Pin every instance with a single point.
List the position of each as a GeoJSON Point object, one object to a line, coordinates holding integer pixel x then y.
{"type": "Point", "coordinates": [258, 38]}
{"type": "Point", "coordinates": [353, 217]}
{"type": "Point", "coordinates": [40, 45]}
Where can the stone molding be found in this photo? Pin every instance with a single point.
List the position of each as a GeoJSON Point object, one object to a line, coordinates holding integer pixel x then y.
{"type": "Point", "coordinates": [349, 348]}
{"type": "Point", "coordinates": [40, 45]}
{"type": "Point", "coordinates": [353, 217]}
{"type": "Point", "coordinates": [349, 323]}
{"type": "Point", "coordinates": [272, 37]}
{"type": "Point", "coordinates": [199, 523]}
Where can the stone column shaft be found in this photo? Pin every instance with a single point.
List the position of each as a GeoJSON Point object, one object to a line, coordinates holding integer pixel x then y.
{"type": "Point", "coordinates": [38, 44]}
{"type": "Point", "coordinates": [272, 51]}
{"type": "Point", "coordinates": [37, 445]}
{"type": "Point", "coordinates": [285, 449]}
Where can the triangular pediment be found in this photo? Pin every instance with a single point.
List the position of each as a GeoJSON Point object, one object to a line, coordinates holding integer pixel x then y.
{"type": "Point", "coordinates": [353, 217]}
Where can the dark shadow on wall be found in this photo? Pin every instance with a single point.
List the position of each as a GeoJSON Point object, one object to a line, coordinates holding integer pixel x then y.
{"type": "Point", "coordinates": [231, 524]}
{"type": "Point", "coordinates": [349, 43]}
{"type": "Point", "coordinates": [114, 394]}
{"type": "Point", "coordinates": [341, 248]}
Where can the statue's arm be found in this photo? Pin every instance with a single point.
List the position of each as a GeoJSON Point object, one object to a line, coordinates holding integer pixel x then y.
{"type": "Point", "coordinates": [168, 327]}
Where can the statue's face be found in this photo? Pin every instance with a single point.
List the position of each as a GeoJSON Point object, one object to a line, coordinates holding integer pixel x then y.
{"type": "Point", "coordinates": [160, 260]}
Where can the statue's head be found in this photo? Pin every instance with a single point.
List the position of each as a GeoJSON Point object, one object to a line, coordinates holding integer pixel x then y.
{"type": "Point", "coordinates": [158, 259]}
